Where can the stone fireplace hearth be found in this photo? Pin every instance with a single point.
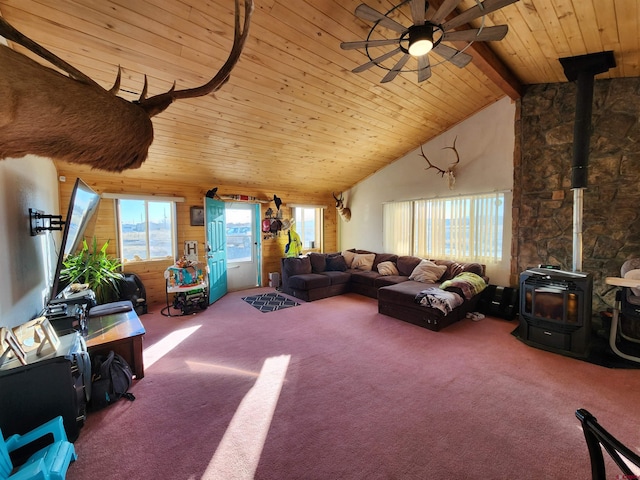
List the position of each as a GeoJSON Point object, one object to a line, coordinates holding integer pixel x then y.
{"type": "Point", "coordinates": [543, 200]}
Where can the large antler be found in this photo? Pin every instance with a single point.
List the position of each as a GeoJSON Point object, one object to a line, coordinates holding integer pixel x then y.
{"type": "Point", "coordinates": [431, 165]}
{"type": "Point", "coordinates": [455, 150]}
{"type": "Point", "coordinates": [10, 33]}
{"type": "Point", "coordinates": [451, 167]}
{"type": "Point", "coordinates": [159, 103]}
{"type": "Point", "coordinates": [70, 117]}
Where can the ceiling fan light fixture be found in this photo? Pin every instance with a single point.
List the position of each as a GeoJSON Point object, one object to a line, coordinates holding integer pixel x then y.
{"type": "Point", "coordinates": [420, 40]}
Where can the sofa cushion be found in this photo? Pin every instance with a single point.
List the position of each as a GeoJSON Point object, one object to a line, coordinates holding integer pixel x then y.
{"type": "Point", "coordinates": [348, 257]}
{"type": "Point", "coordinates": [403, 292]}
{"type": "Point", "coordinates": [337, 277]}
{"type": "Point", "coordinates": [308, 281]}
{"type": "Point", "coordinates": [456, 268]}
{"type": "Point", "coordinates": [384, 280]}
{"type": "Point", "coordinates": [364, 252]}
{"type": "Point", "coordinates": [318, 262]}
{"type": "Point", "coordinates": [406, 264]}
{"type": "Point", "coordinates": [387, 268]}
{"type": "Point", "coordinates": [383, 257]}
{"type": "Point", "coordinates": [427, 272]}
{"type": "Point", "coordinates": [364, 278]}
{"type": "Point", "coordinates": [363, 261]}
{"type": "Point", "coordinates": [452, 268]}
{"type": "Point", "coordinates": [297, 266]}
{"type": "Point", "coordinates": [336, 263]}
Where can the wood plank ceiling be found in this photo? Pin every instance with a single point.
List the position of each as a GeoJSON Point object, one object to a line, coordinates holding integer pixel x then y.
{"type": "Point", "coordinates": [293, 115]}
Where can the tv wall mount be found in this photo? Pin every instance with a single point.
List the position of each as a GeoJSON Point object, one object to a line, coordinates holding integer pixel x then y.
{"type": "Point", "coordinates": [40, 222]}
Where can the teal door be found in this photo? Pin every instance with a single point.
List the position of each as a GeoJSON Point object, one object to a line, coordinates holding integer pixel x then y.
{"type": "Point", "coordinates": [216, 248]}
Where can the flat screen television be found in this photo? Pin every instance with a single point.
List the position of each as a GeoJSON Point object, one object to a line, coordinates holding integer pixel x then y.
{"type": "Point", "coordinates": [79, 221]}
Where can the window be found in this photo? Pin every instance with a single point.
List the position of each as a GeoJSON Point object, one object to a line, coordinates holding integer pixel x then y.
{"type": "Point", "coordinates": [239, 230]}
{"type": "Point", "coordinates": [397, 226]}
{"type": "Point", "coordinates": [146, 229]}
{"type": "Point", "coordinates": [466, 228]}
{"type": "Point", "coordinates": [308, 224]}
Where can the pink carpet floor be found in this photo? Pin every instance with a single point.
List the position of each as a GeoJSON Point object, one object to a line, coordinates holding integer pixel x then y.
{"type": "Point", "coordinates": [334, 390]}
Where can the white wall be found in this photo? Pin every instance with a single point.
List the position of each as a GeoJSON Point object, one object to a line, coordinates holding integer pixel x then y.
{"type": "Point", "coordinates": [485, 143]}
{"type": "Point", "coordinates": [26, 262]}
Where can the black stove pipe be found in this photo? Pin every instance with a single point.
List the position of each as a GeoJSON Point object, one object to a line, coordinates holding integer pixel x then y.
{"type": "Point", "coordinates": [582, 130]}
{"type": "Point", "coordinates": [582, 69]}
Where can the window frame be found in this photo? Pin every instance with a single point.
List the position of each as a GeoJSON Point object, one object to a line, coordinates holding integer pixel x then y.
{"type": "Point", "coordinates": [432, 226]}
{"type": "Point", "coordinates": [318, 212]}
{"type": "Point", "coordinates": [173, 201]}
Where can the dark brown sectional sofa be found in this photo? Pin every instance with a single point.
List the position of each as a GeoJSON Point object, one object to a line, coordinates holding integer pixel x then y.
{"type": "Point", "coordinates": [318, 276]}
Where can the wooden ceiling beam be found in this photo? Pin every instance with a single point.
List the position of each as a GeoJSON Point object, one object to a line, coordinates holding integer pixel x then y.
{"type": "Point", "coordinates": [489, 64]}
{"type": "Point", "coordinates": [487, 61]}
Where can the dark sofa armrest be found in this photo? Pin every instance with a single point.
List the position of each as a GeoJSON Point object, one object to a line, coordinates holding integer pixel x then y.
{"type": "Point", "coordinates": [291, 266]}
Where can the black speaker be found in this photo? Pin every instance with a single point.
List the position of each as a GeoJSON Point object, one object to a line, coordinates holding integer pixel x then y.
{"type": "Point", "coordinates": [501, 302]}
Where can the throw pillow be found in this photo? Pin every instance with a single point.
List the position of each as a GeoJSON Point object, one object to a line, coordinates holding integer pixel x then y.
{"type": "Point", "coordinates": [387, 268]}
{"type": "Point", "coordinates": [406, 264]}
{"type": "Point", "coordinates": [297, 265]}
{"type": "Point", "coordinates": [384, 257]}
{"type": "Point", "coordinates": [427, 272]}
{"type": "Point", "coordinates": [348, 257]}
{"type": "Point", "coordinates": [318, 262]}
{"type": "Point", "coordinates": [336, 263]}
{"type": "Point", "coordinates": [363, 261]}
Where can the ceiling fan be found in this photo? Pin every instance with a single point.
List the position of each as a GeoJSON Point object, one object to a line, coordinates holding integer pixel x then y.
{"type": "Point", "coordinates": [426, 35]}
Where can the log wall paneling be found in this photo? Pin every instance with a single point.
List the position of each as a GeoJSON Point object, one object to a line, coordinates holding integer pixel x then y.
{"type": "Point", "coordinates": [152, 272]}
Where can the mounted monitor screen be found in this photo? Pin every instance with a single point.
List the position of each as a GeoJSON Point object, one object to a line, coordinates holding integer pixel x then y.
{"type": "Point", "coordinates": [79, 221]}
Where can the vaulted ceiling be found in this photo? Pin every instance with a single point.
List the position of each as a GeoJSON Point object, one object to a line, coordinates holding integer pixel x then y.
{"type": "Point", "coordinates": [293, 115]}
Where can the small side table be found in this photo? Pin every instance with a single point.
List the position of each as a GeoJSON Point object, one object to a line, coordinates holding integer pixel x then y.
{"type": "Point", "coordinates": [120, 332]}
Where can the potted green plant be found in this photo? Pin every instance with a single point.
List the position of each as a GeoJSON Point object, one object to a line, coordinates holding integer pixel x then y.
{"type": "Point", "coordinates": [94, 268]}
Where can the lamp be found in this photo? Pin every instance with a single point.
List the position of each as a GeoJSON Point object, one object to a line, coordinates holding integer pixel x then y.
{"type": "Point", "coordinates": [420, 39]}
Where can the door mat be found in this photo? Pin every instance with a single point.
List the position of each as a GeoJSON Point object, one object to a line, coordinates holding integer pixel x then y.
{"type": "Point", "coordinates": [270, 302]}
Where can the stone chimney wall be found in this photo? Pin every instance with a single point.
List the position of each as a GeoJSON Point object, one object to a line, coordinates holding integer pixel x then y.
{"type": "Point", "coordinates": [543, 199]}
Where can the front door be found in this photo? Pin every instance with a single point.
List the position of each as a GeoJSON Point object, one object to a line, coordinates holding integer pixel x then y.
{"type": "Point", "coordinates": [216, 248]}
{"type": "Point", "coordinates": [243, 264]}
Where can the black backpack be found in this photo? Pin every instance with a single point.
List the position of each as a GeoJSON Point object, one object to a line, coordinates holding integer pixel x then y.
{"type": "Point", "coordinates": [110, 380]}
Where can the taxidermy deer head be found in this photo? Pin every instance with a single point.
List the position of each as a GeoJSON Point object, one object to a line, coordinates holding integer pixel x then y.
{"type": "Point", "coordinates": [450, 172]}
{"type": "Point", "coordinates": [72, 118]}
{"type": "Point", "coordinates": [344, 212]}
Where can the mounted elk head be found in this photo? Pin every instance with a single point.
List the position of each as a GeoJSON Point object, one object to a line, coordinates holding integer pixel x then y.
{"type": "Point", "coordinates": [345, 213]}
{"type": "Point", "coordinates": [450, 172]}
{"type": "Point", "coordinates": [72, 118]}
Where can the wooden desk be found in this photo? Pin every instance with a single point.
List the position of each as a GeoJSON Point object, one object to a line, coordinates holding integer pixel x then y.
{"type": "Point", "coordinates": [120, 332]}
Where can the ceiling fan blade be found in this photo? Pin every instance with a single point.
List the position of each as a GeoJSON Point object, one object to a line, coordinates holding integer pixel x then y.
{"type": "Point", "coordinates": [424, 69]}
{"type": "Point", "coordinates": [459, 59]}
{"type": "Point", "coordinates": [445, 9]}
{"type": "Point", "coordinates": [488, 6]}
{"type": "Point", "coordinates": [365, 12]}
{"type": "Point", "coordinates": [418, 8]}
{"type": "Point", "coordinates": [376, 61]}
{"type": "Point", "coordinates": [368, 43]}
{"type": "Point", "coordinates": [486, 34]}
{"type": "Point", "coordinates": [396, 69]}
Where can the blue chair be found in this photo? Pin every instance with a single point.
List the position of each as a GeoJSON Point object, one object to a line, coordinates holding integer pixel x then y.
{"type": "Point", "coordinates": [50, 462]}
